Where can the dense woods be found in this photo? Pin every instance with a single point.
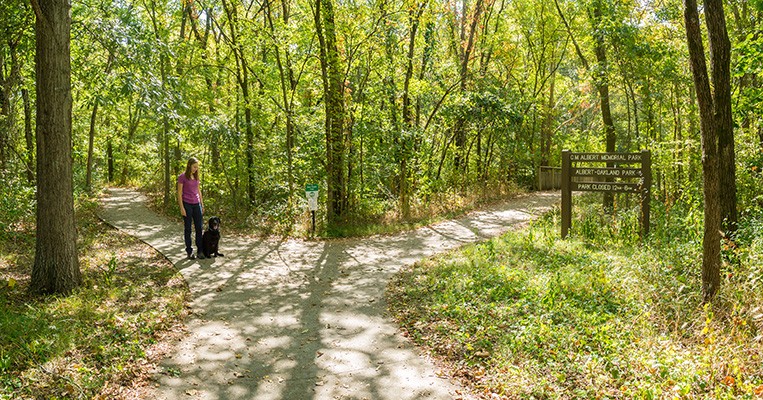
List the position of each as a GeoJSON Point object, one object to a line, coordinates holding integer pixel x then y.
{"type": "Point", "coordinates": [392, 106]}
{"type": "Point", "coordinates": [401, 111]}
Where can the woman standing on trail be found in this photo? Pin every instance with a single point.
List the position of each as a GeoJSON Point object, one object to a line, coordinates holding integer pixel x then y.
{"type": "Point", "coordinates": [191, 206]}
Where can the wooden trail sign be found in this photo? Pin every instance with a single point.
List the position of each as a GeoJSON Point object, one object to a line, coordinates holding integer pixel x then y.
{"type": "Point", "coordinates": [618, 176]}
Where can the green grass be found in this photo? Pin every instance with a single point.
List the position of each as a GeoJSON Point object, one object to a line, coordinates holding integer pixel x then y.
{"type": "Point", "coordinates": [103, 340]}
{"type": "Point", "coordinates": [599, 315]}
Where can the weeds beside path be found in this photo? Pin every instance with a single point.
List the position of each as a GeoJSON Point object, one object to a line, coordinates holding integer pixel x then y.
{"type": "Point", "coordinates": [303, 320]}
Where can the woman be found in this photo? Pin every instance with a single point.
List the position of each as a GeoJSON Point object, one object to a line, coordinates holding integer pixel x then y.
{"type": "Point", "coordinates": [191, 206]}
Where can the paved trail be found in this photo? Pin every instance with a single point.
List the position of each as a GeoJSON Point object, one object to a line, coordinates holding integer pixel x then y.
{"type": "Point", "coordinates": [302, 320]}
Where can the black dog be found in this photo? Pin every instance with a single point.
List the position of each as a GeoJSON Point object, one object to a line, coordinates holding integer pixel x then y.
{"type": "Point", "coordinates": [211, 239]}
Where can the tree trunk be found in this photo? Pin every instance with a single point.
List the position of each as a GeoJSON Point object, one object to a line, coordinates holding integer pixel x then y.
{"type": "Point", "coordinates": [547, 129]}
{"type": "Point", "coordinates": [28, 135]}
{"type": "Point", "coordinates": [288, 85]}
{"type": "Point", "coordinates": [133, 121]}
{"type": "Point", "coordinates": [109, 159]}
{"type": "Point", "coordinates": [165, 145]}
{"type": "Point", "coordinates": [7, 86]}
{"type": "Point", "coordinates": [711, 260]}
{"type": "Point", "coordinates": [333, 94]}
{"type": "Point", "coordinates": [56, 266]}
{"type": "Point", "coordinates": [720, 52]}
{"type": "Point", "coordinates": [242, 77]}
{"type": "Point", "coordinates": [414, 18]}
{"type": "Point", "coordinates": [90, 140]}
{"type": "Point", "coordinates": [426, 60]}
{"type": "Point", "coordinates": [91, 136]}
{"type": "Point", "coordinates": [602, 84]}
{"type": "Point", "coordinates": [466, 38]}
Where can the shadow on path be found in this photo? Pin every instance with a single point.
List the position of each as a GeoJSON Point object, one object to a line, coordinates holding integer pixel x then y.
{"type": "Point", "coordinates": [300, 320]}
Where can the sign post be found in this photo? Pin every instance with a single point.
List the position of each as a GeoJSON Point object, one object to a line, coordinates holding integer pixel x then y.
{"type": "Point", "coordinates": [596, 179]}
{"type": "Point", "coordinates": [311, 192]}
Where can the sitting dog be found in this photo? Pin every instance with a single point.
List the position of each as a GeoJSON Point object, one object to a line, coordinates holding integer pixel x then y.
{"type": "Point", "coordinates": [211, 239]}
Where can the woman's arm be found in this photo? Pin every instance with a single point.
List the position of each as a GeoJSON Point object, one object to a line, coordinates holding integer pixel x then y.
{"type": "Point", "coordinates": [201, 202]}
{"type": "Point", "coordinates": [180, 198]}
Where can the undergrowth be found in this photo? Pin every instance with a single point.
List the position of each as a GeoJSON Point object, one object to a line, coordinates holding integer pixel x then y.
{"type": "Point", "coordinates": [103, 340]}
{"type": "Point", "coordinates": [599, 315]}
{"type": "Point", "coordinates": [367, 215]}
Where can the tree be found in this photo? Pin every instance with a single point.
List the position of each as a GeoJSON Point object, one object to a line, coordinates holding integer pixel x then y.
{"type": "Point", "coordinates": [600, 72]}
{"type": "Point", "coordinates": [56, 267]}
{"type": "Point", "coordinates": [14, 36]}
{"type": "Point", "coordinates": [243, 70]}
{"type": "Point", "coordinates": [715, 122]}
{"type": "Point", "coordinates": [465, 27]}
{"type": "Point", "coordinates": [333, 94]}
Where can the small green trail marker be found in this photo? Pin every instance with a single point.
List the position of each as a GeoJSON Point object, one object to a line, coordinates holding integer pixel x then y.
{"type": "Point", "coordinates": [311, 192]}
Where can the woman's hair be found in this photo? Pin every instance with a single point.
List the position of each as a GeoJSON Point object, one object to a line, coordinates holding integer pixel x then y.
{"type": "Point", "coordinates": [188, 175]}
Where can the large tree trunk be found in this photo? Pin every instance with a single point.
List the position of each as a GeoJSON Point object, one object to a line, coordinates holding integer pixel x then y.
{"type": "Point", "coordinates": [56, 267]}
{"type": "Point", "coordinates": [709, 126]}
{"type": "Point", "coordinates": [333, 89]}
{"type": "Point", "coordinates": [720, 51]}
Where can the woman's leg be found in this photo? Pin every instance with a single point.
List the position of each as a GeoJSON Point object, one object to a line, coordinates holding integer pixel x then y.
{"type": "Point", "coordinates": [198, 223]}
{"type": "Point", "coordinates": [187, 228]}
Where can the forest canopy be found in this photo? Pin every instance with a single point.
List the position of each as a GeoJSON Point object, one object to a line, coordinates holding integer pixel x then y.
{"type": "Point", "coordinates": [391, 106]}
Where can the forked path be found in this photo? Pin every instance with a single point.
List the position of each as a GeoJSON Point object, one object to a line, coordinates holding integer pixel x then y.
{"type": "Point", "coordinates": [301, 320]}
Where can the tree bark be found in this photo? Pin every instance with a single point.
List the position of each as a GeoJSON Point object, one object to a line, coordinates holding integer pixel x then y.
{"type": "Point", "coordinates": [333, 93]}
{"type": "Point", "coordinates": [465, 46]}
{"type": "Point", "coordinates": [602, 84]}
{"type": "Point", "coordinates": [133, 121]}
{"type": "Point", "coordinates": [28, 135]}
{"type": "Point", "coordinates": [711, 260]}
{"type": "Point", "coordinates": [426, 60]}
{"type": "Point", "coordinates": [91, 136]}
{"type": "Point", "coordinates": [8, 84]}
{"type": "Point", "coordinates": [90, 143]}
{"type": "Point", "coordinates": [56, 266]}
{"type": "Point", "coordinates": [288, 84]}
{"type": "Point", "coordinates": [547, 130]}
{"type": "Point", "coordinates": [242, 77]}
{"type": "Point", "coordinates": [720, 53]}
{"type": "Point", "coordinates": [109, 159]}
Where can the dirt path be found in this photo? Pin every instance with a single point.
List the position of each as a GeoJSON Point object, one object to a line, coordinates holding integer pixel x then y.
{"type": "Point", "coordinates": [299, 320]}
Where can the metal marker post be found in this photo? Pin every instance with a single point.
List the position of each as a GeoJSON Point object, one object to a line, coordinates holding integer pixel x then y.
{"type": "Point", "coordinates": [311, 192]}
{"type": "Point", "coordinates": [566, 193]}
{"type": "Point", "coordinates": [646, 168]}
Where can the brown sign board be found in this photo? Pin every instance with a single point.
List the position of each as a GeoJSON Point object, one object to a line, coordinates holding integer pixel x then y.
{"type": "Point", "coordinates": [609, 176]}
